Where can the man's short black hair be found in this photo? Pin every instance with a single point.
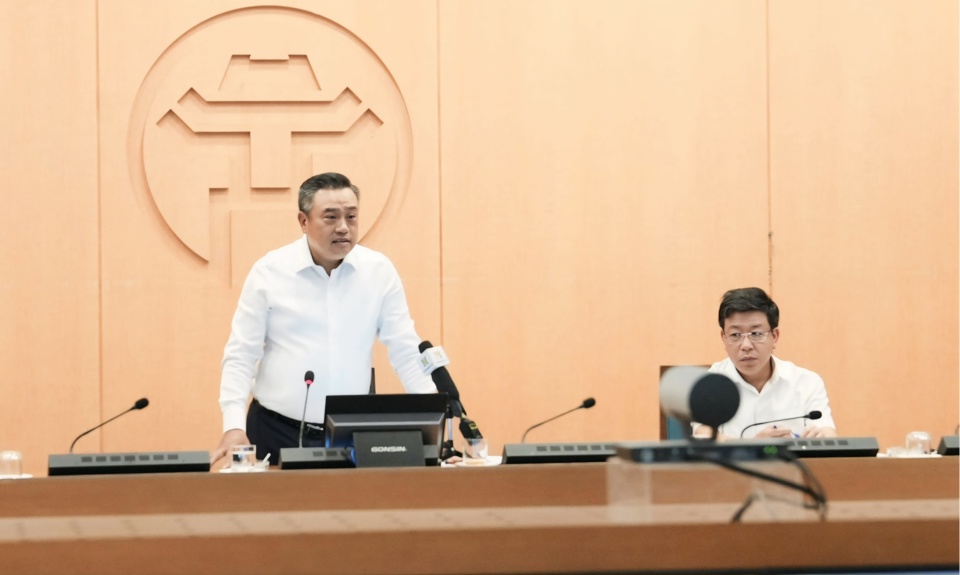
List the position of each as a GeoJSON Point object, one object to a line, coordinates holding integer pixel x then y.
{"type": "Point", "coordinates": [327, 181]}
{"type": "Point", "coordinates": [744, 300]}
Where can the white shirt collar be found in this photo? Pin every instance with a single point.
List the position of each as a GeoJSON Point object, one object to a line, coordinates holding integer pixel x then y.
{"type": "Point", "coordinates": [303, 259]}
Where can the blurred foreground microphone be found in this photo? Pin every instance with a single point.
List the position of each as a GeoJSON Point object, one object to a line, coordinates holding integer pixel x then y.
{"type": "Point", "coordinates": [587, 404]}
{"type": "Point", "coordinates": [690, 393]}
{"type": "Point", "coordinates": [812, 415]}
{"type": "Point", "coordinates": [307, 379]}
{"type": "Point", "coordinates": [433, 361]}
{"type": "Point", "coordinates": [140, 404]}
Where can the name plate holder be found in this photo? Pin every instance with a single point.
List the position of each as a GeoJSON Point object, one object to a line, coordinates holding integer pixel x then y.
{"type": "Point", "coordinates": [128, 462]}
{"type": "Point", "coordinates": [388, 449]}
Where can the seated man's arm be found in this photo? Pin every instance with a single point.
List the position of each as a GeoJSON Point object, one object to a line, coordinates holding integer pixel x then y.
{"type": "Point", "coordinates": [771, 431]}
{"type": "Point", "coordinates": [819, 432]}
{"type": "Point", "coordinates": [705, 432]}
{"type": "Point", "coordinates": [818, 401]}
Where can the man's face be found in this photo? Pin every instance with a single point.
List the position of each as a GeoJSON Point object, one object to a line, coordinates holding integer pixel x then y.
{"type": "Point", "coordinates": [331, 226]}
{"type": "Point", "coordinates": [751, 358]}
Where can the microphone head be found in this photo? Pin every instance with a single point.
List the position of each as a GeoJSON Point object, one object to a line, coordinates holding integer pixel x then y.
{"type": "Point", "coordinates": [424, 346]}
{"type": "Point", "coordinates": [588, 403]}
{"type": "Point", "coordinates": [308, 377]}
{"type": "Point", "coordinates": [141, 403]}
{"type": "Point", "coordinates": [814, 415]}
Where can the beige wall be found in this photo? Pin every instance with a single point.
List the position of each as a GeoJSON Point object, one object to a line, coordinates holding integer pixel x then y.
{"type": "Point", "coordinates": [50, 350]}
{"type": "Point", "coordinates": [864, 212]}
{"type": "Point", "coordinates": [587, 156]}
{"type": "Point", "coordinates": [567, 188]}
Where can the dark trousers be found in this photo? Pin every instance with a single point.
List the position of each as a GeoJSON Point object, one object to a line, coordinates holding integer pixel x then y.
{"type": "Point", "coordinates": [270, 432]}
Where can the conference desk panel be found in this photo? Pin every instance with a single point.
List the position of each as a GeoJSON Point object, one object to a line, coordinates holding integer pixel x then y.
{"type": "Point", "coordinates": [416, 488]}
{"type": "Point", "coordinates": [884, 514]}
{"type": "Point", "coordinates": [578, 539]}
{"type": "Point", "coordinates": [299, 490]}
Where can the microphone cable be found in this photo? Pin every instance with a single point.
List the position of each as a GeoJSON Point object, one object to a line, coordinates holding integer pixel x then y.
{"type": "Point", "coordinates": [811, 488]}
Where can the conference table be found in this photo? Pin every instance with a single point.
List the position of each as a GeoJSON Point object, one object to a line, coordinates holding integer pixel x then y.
{"type": "Point", "coordinates": [884, 514]}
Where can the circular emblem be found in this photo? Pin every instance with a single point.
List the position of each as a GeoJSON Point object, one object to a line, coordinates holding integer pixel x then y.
{"type": "Point", "coordinates": [243, 107]}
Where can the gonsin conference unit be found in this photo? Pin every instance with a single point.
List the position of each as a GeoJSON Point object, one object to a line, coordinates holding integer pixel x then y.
{"type": "Point", "coordinates": [594, 452]}
{"type": "Point", "coordinates": [117, 463]}
{"type": "Point", "coordinates": [385, 430]}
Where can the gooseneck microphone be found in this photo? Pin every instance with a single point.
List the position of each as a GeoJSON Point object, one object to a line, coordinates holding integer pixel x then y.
{"type": "Point", "coordinates": [140, 404]}
{"type": "Point", "coordinates": [469, 429]}
{"type": "Point", "coordinates": [812, 415]}
{"type": "Point", "coordinates": [307, 379]}
{"type": "Point", "coordinates": [587, 404]}
{"type": "Point", "coordinates": [433, 361]}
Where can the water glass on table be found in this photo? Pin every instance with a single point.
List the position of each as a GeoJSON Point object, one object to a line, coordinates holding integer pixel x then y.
{"type": "Point", "coordinates": [11, 463]}
{"type": "Point", "coordinates": [475, 451]}
{"type": "Point", "coordinates": [243, 457]}
{"type": "Point", "coordinates": [918, 443]}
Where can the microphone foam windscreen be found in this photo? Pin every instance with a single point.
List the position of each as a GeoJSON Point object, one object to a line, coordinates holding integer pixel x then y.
{"type": "Point", "coordinates": [589, 402]}
{"type": "Point", "coordinates": [714, 400]}
{"type": "Point", "coordinates": [141, 403]}
{"type": "Point", "coordinates": [424, 346]}
{"type": "Point", "coordinates": [815, 415]}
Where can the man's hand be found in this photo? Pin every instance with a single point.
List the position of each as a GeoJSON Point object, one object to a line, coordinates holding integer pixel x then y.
{"type": "Point", "coordinates": [705, 432]}
{"type": "Point", "coordinates": [819, 432]}
{"type": "Point", "coordinates": [774, 431]}
{"type": "Point", "coordinates": [230, 438]}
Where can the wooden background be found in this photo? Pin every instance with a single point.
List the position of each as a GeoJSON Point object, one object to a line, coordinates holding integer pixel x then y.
{"type": "Point", "coordinates": [566, 186]}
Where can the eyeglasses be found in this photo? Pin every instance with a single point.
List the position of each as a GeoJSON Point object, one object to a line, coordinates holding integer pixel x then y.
{"type": "Point", "coordinates": [755, 336]}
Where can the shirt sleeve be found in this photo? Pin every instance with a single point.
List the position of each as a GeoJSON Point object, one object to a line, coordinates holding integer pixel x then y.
{"type": "Point", "coordinates": [817, 401]}
{"type": "Point", "coordinates": [398, 334]}
{"type": "Point", "coordinates": [243, 350]}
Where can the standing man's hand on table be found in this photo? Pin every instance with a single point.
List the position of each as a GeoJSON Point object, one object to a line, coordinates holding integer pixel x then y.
{"type": "Point", "coordinates": [230, 438]}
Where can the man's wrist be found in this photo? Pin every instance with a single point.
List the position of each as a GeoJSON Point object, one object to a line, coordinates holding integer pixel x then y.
{"type": "Point", "coordinates": [234, 419]}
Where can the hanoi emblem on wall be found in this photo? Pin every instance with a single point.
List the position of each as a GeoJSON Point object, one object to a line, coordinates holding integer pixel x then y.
{"type": "Point", "coordinates": [243, 107]}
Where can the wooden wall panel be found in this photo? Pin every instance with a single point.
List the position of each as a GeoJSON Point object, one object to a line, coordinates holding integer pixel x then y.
{"type": "Point", "coordinates": [212, 116]}
{"type": "Point", "coordinates": [603, 170]}
{"type": "Point", "coordinates": [49, 294]}
{"type": "Point", "coordinates": [864, 167]}
{"type": "Point", "coordinates": [579, 181]}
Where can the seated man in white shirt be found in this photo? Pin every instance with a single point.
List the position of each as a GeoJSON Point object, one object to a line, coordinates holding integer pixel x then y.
{"type": "Point", "coordinates": [314, 305]}
{"type": "Point", "coordinates": [770, 388]}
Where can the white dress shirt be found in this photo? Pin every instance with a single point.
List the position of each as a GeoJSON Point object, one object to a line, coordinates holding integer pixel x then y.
{"type": "Point", "coordinates": [292, 317]}
{"type": "Point", "coordinates": [791, 391]}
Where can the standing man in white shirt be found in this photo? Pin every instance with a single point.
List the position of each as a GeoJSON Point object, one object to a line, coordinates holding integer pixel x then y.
{"type": "Point", "coordinates": [314, 305]}
{"type": "Point", "coordinates": [770, 388]}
